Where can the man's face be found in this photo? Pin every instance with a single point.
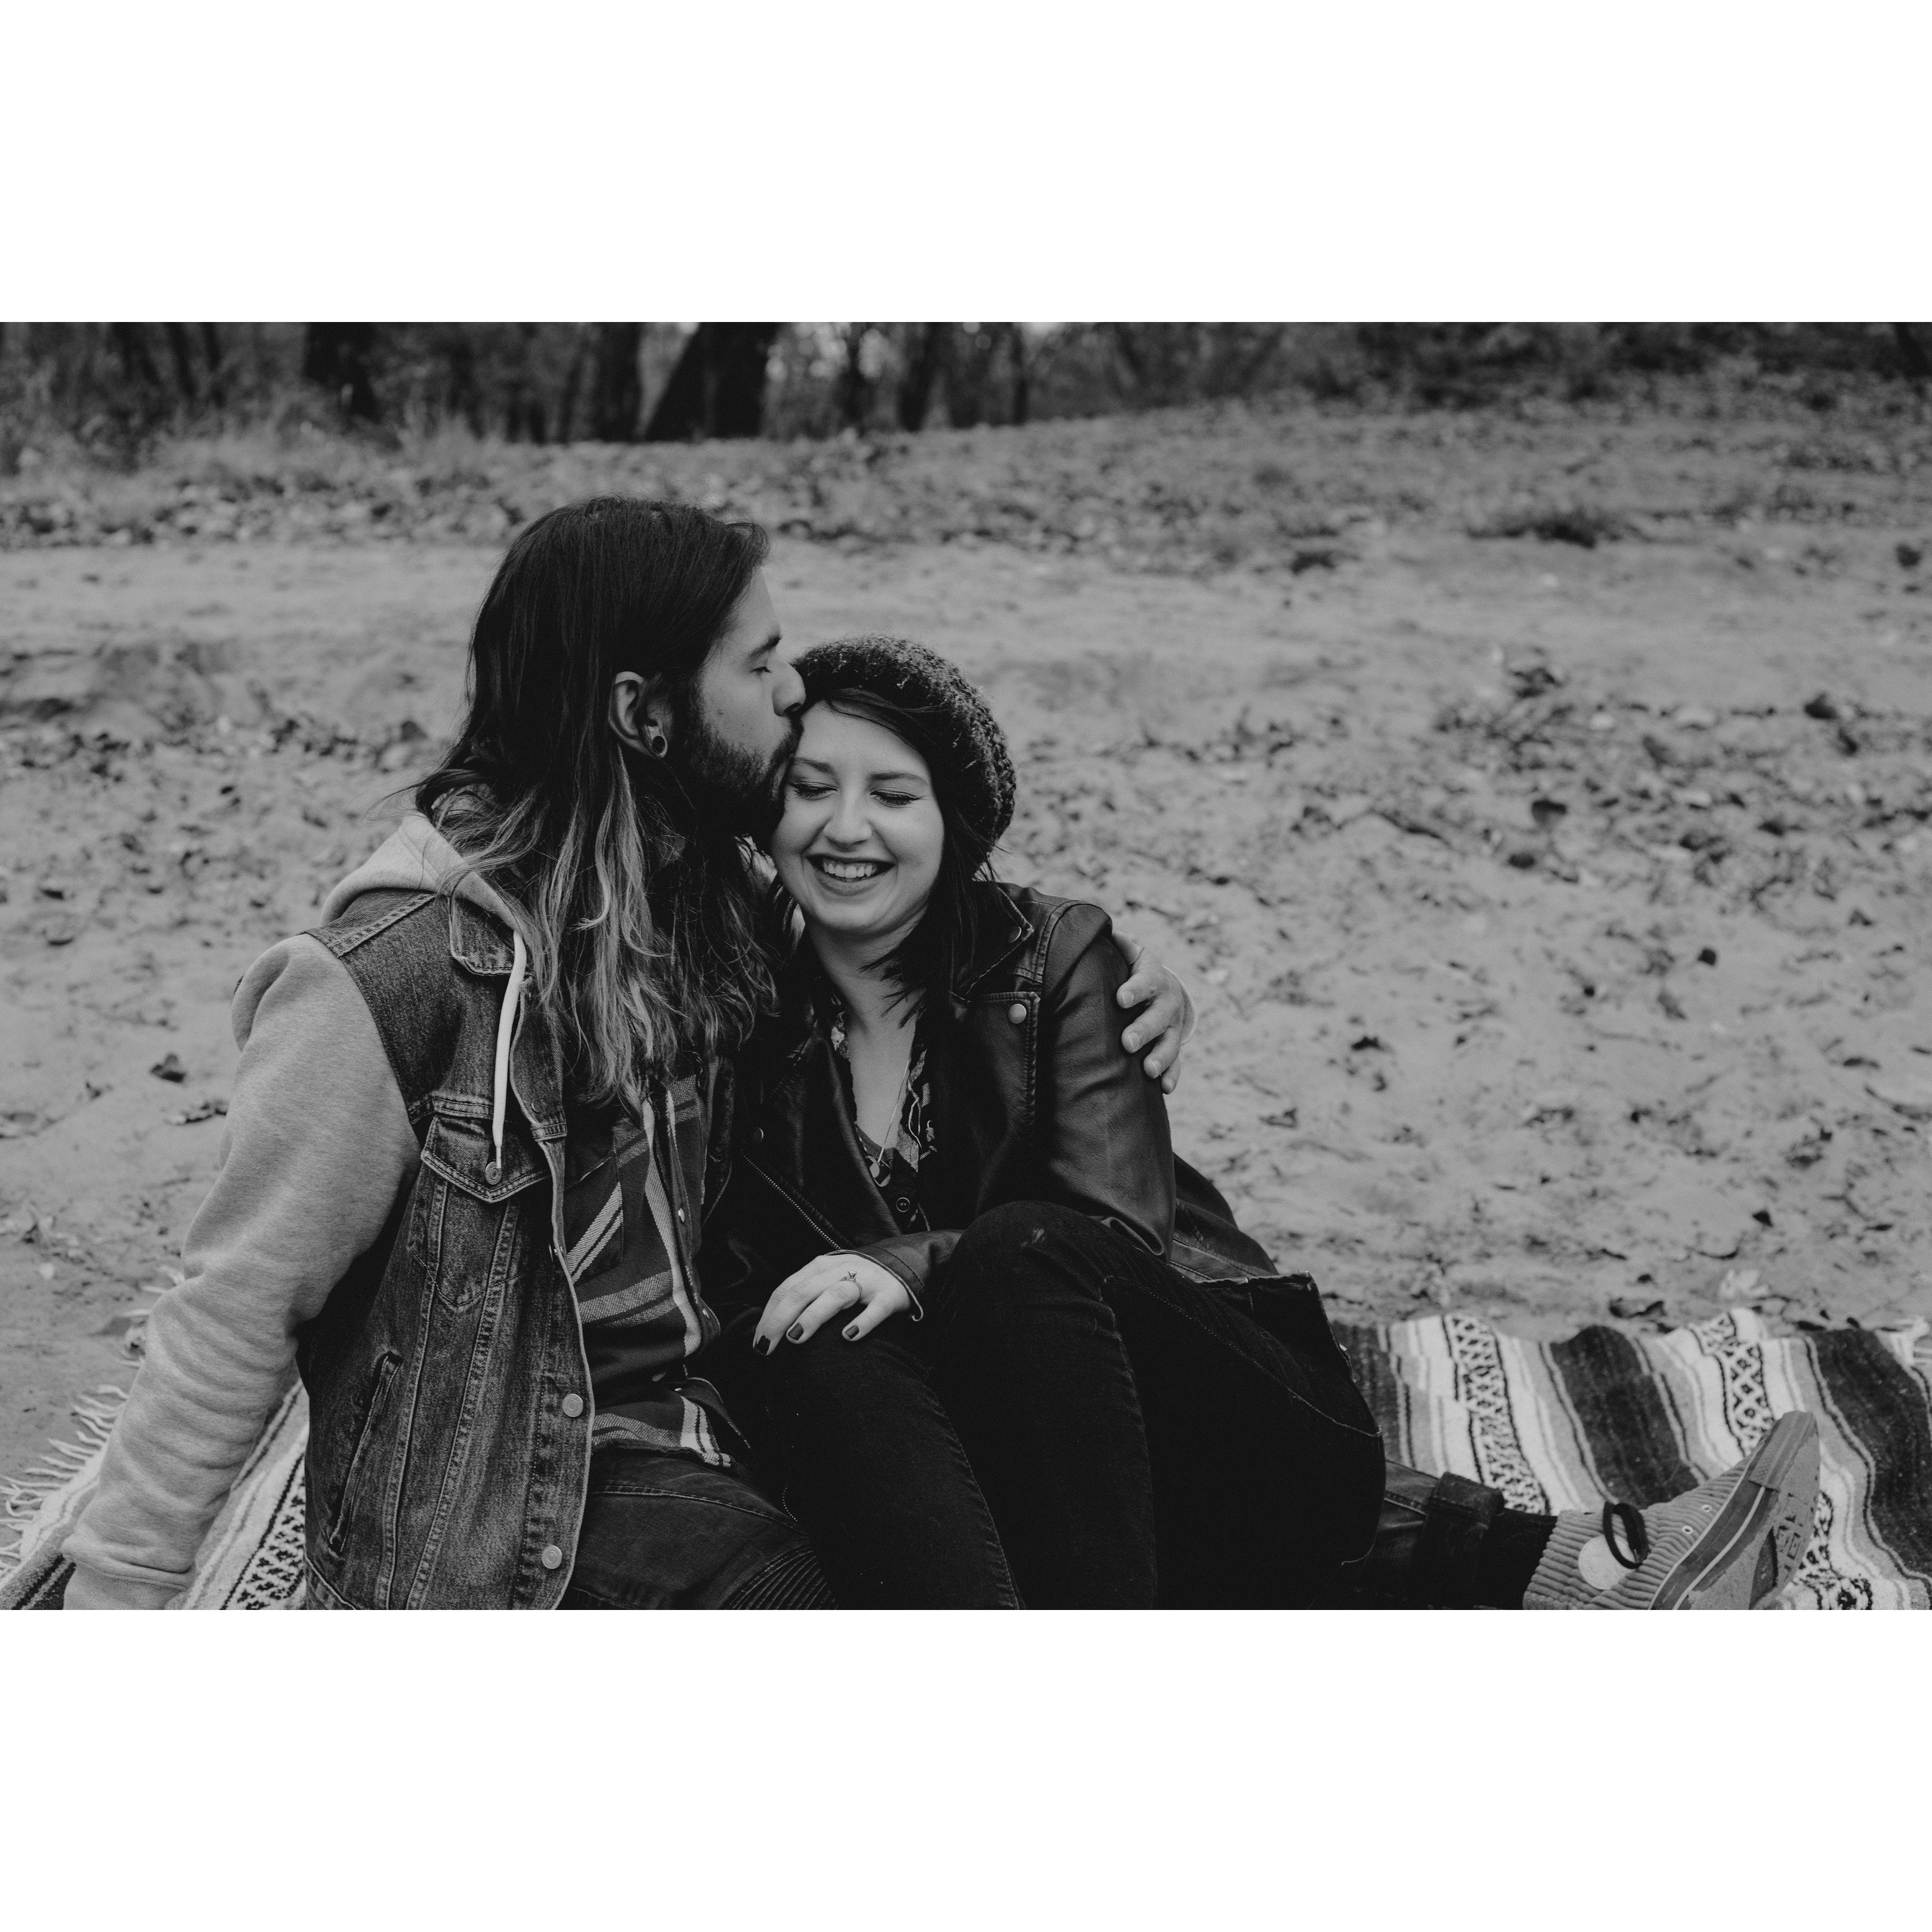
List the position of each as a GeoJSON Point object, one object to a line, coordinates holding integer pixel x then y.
{"type": "Point", "coordinates": [737, 724]}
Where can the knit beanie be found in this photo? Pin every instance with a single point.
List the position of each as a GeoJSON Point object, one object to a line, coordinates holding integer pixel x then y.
{"type": "Point", "coordinates": [979, 774]}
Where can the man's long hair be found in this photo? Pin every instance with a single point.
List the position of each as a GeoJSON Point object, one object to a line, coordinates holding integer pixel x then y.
{"type": "Point", "coordinates": [641, 921]}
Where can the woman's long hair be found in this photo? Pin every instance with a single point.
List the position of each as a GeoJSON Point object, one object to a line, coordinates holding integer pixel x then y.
{"type": "Point", "coordinates": [642, 923]}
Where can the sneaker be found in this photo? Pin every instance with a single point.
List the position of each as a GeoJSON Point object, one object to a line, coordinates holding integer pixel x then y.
{"type": "Point", "coordinates": [1731, 1544]}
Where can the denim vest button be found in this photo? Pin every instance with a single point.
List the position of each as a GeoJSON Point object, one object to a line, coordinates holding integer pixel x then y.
{"type": "Point", "coordinates": [552, 1557]}
{"type": "Point", "coordinates": [492, 1173]}
{"type": "Point", "coordinates": [573, 1406]}
{"type": "Point", "coordinates": [1016, 1013]}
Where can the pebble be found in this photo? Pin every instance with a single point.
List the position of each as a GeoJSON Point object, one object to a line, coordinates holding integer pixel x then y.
{"type": "Point", "coordinates": [1634, 1307]}
{"type": "Point", "coordinates": [1909, 1093]}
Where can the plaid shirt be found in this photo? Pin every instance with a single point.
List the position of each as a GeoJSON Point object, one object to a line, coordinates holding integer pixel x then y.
{"type": "Point", "coordinates": [633, 1195]}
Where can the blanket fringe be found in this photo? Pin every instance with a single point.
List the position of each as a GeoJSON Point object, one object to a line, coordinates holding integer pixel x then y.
{"type": "Point", "coordinates": [95, 1412]}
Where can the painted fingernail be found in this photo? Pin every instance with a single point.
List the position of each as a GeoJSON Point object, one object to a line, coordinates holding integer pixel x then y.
{"type": "Point", "coordinates": [759, 1347]}
{"type": "Point", "coordinates": [852, 1334]}
{"type": "Point", "coordinates": [795, 1333]}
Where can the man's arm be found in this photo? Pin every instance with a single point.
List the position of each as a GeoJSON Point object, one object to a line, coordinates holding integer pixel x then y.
{"type": "Point", "coordinates": [318, 1142]}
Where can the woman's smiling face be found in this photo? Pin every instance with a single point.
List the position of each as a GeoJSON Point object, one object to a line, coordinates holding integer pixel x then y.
{"type": "Point", "coordinates": [859, 841]}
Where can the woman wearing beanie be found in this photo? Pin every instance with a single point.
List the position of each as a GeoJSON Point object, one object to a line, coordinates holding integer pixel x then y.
{"type": "Point", "coordinates": [993, 1344]}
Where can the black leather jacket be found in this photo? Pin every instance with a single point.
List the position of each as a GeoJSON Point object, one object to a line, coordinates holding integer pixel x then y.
{"type": "Point", "coordinates": [1032, 1098]}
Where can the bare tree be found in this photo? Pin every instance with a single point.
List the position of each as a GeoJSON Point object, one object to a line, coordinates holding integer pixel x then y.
{"type": "Point", "coordinates": [573, 381]}
{"type": "Point", "coordinates": [974, 354]}
{"type": "Point", "coordinates": [928, 349]}
{"type": "Point", "coordinates": [1022, 389]}
{"type": "Point", "coordinates": [217, 365]}
{"type": "Point", "coordinates": [182, 350]}
{"type": "Point", "coordinates": [337, 356]}
{"type": "Point", "coordinates": [524, 417]}
{"type": "Point", "coordinates": [717, 388]}
{"type": "Point", "coordinates": [854, 389]}
{"type": "Point", "coordinates": [616, 386]}
{"type": "Point", "coordinates": [137, 360]}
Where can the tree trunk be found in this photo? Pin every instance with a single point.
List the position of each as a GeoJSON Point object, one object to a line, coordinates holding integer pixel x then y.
{"type": "Point", "coordinates": [573, 381]}
{"type": "Point", "coordinates": [969, 372]}
{"type": "Point", "coordinates": [336, 356]}
{"type": "Point", "coordinates": [523, 408]}
{"type": "Point", "coordinates": [853, 391]}
{"type": "Point", "coordinates": [931, 345]}
{"type": "Point", "coordinates": [460, 396]}
{"type": "Point", "coordinates": [182, 350]}
{"type": "Point", "coordinates": [137, 361]}
{"type": "Point", "coordinates": [616, 388]}
{"type": "Point", "coordinates": [217, 375]}
{"type": "Point", "coordinates": [718, 388]}
{"type": "Point", "coordinates": [1128, 343]}
{"type": "Point", "coordinates": [1258, 359]}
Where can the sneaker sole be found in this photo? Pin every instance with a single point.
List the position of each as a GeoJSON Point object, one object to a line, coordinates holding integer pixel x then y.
{"type": "Point", "coordinates": [1747, 1555]}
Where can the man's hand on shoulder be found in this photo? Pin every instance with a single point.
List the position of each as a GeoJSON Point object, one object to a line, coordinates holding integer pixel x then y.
{"type": "Point", "coordinates": [1165, 1023]}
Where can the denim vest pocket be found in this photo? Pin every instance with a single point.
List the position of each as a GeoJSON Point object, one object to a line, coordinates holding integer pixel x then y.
{"type": "Point", "coordinates": [460, 1224]}
{"type": "Point", "coordinates": [366, 1439]}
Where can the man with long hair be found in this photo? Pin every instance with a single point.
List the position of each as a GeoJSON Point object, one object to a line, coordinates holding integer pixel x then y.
{"type": "Point", "coordinates": [479, 1113]}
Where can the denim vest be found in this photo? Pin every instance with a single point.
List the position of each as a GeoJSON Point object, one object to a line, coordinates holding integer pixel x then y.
{"type": "Point", "coordinates": [449, 1396]}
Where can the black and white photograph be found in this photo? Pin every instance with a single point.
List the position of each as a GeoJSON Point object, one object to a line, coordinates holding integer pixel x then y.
{"type": "Point", "coordinates": [1272, 970]}
{"type": "Point", "coordinates": [968, 965]}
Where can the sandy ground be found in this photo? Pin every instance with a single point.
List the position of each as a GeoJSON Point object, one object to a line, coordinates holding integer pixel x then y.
{"type": "Point", "coordinates": [1558, 916]}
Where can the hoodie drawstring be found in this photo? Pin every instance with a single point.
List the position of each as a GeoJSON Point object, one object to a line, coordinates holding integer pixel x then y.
{"type": "Point", "coordinates": [506, 1025]}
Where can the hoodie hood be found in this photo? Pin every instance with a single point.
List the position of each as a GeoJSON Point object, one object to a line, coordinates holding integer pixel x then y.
{"type": "Point", "coordinates": [415, 858]}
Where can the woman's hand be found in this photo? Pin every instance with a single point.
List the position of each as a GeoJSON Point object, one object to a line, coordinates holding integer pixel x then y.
{"type": "Point", "coordinates": [1167, 1024]}
{"type": "Point", "coordinates": [802, 1303]}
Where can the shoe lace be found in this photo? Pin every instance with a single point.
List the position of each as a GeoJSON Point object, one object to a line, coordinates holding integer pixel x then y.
{"type": "Point", "coordinates": [1629, 1518]}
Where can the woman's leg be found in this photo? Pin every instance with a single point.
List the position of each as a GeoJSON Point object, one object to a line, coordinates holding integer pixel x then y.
{"type": "Point", "coordinates": [1103, 1396]}
{"type": "Point", "coordinates": [854, 1439]}
{"type": "Point", "coordinates": [1029, 1360]}
{"type": "Point", "coordinates": [1443, 1542]}
{"type": "Point", "coordinates": [1264, 1466]}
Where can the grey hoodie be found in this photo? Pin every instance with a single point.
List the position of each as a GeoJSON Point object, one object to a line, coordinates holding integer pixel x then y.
{"type": "Point", "coordinates": [318, 1143]}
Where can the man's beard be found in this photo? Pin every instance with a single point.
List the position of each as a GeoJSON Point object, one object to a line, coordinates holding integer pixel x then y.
{"type": "Point", "coordinates": [734, 791]}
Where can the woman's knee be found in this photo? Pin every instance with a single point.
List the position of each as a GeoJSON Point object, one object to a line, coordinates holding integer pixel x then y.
{"type": "Point", "coordinates": [1017, 1231]}
{"type": "Point", "coordinates": [826, 1367]}
{"type": "Point", "coordinates": [1022, 1253]}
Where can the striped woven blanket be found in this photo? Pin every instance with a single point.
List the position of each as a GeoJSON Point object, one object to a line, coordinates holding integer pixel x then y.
{"type": "Point", "coordinates": [1605, 1415]}
{"type": "Point", "coordinates": [1553, 1425]}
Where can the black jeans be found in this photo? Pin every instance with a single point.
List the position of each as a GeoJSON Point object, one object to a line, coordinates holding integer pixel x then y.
{"type": "Point", "coordinates": [1073, 1424]}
